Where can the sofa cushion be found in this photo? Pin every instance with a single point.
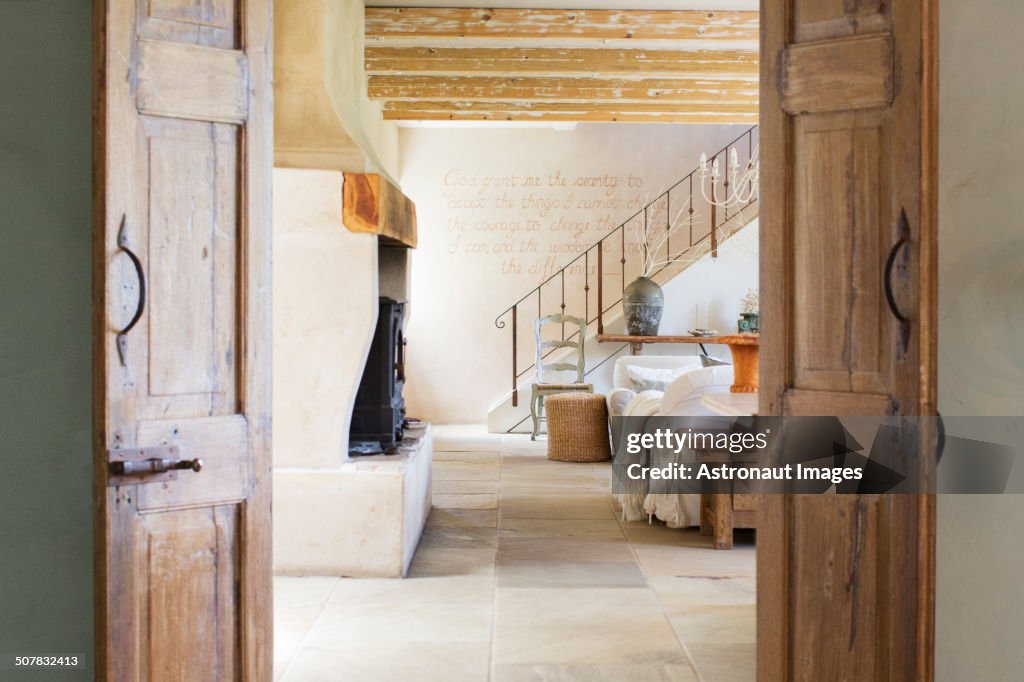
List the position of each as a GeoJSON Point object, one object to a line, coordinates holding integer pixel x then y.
{"type": "Point", "coordinates": [618, 399]}
{"type": "Point", "coordinates": [620, 377]}
{"type": "Point", "coordinates": [653, 378]}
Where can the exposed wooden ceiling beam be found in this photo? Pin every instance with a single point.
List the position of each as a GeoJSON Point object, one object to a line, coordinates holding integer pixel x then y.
{"type": "Point", "coordinates": [723, 64]}
{"type": "Point", "coordinates": [496, 89]}
{"type": "Point", "coordinates": [562, 111]}
{"type": "Point", "coordinates": [448, 25]}
{"type": "Point", "coordinates": [564, 107]}
{"type": "Point", "coordinates": [608, 116]}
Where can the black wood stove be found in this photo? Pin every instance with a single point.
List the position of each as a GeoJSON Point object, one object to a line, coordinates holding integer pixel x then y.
{"type": "Point", "coordinates": [378, 420]}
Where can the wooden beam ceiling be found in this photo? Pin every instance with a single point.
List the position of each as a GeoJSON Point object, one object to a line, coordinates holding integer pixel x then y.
{"type": "Point", "coordinates": [522, 64]}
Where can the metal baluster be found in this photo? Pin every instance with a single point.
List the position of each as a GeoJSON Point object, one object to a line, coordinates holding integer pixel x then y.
{"type": "Point", "coordinates": [691, 211]}
{"type": "Point", "coordinates": [644, 261]}
{"type": "Point", "coordinates": [668, 224]}
{"type": "Point", "coordinates": [623, 259]}
{"type": "Point", "coordinates": [586, 285]}
{"type": "Point", "coordinates": [750, 161]}
{"type": "Point", "coordinates": [725, 186]}
{"type": "Point", "coordinates": [515, 373]}
{"type": "Point", "coordinates": [600, 287]}
{"type": "Point", "coordinates": [563, 303]}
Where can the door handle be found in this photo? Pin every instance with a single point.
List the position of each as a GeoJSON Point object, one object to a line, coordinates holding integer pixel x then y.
{"type": "Point", "coordinates": [154, 465]}
{"type": "Point", "coordinates": [890, 263]}
{"type": "Point", "coordinates": [122, 336]}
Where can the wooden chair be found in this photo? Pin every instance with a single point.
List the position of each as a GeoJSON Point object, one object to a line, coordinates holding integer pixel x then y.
{"type": "Point", "coordinates": [542, 388]}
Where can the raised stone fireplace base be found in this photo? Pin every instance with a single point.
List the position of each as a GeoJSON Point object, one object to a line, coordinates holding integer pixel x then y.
{"type": "Point", "coordinates": [361, 520]}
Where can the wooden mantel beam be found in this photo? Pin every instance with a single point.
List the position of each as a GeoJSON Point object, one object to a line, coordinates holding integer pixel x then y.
{"type": "Point", "coordinates": [719, 64]}
{"type": "Point", "coordinates": [447, 25]}
{"type": "Point", "coordinates": [371, 204]}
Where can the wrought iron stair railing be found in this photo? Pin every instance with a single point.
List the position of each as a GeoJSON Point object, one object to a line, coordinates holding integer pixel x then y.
{"type": "Point", "coordinates": [703, 225]}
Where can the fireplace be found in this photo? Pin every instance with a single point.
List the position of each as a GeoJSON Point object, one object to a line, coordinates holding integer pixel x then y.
{"type": "Point", "coordinates": [378, 420]}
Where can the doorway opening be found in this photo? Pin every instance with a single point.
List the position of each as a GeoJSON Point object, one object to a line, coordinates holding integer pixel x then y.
{"type": "Point", "coordinates": [603, 187]}
{"type": "Point", "coordinates": [832, 246]}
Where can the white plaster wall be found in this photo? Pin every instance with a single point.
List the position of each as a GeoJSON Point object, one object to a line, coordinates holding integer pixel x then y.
{"type": "Point", "coordinates": [980, 595]}
{"type": "Point", "coordinates": [458, 362]}
{"type": "Point", "coordinates": [325, 310]}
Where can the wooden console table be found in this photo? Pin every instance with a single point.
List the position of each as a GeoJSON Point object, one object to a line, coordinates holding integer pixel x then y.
{"type": "Point", "coordinates": [744, 349]}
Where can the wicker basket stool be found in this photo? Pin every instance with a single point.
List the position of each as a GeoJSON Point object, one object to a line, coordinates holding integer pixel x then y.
{"type": "Point", "coordinates": [578, 428]}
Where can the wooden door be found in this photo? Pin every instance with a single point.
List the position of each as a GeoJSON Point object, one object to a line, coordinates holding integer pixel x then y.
{"type": "Point", "coordinates": [848, 123]}
{"type": "Point", "coordinates": [183, 159]}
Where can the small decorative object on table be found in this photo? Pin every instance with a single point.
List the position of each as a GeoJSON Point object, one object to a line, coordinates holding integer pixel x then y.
{"type": "Point", "coordinates": [750, 318]}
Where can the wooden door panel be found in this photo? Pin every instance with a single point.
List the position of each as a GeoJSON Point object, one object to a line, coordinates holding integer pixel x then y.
{"type": "Point", "coordinates": [223, 445]}
{"type": "Point", "coordinates": [189, 561]}
{"type": "Point", "coordinates": [202, 22]}
{"type": "Point", "coordinates": [193, 330]}
{"type": "Point", "coordinates": [840, 339]}
{"type": "Point", "coordinates": [167, 86]}
{"type": "Point", "coordinates": [848, 404]}
{"type": "Point", "coordinates": [834, 598]}
{"type": "Point", "coordinates": [810, 12]}
{"type": "Point", "coordinates": [816, 19]}
{"type": "Point", "coordinates": [838, 75]}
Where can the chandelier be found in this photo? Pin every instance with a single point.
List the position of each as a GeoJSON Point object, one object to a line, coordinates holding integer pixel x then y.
{"type": "Point", "coordinates": [740, 186]}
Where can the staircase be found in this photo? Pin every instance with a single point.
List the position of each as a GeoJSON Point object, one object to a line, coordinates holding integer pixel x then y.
{"type": "Point", "coordinates": [674, 231]}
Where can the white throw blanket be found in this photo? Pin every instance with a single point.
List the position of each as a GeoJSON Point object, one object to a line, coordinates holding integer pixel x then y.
{"type": "Point", "coordinates": [642, 405]}
{"type": "Point", "coordinates": [681, 398]}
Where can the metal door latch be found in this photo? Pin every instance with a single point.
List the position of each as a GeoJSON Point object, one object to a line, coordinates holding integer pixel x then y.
{"type": "Point", "coordinates": [148, 465]}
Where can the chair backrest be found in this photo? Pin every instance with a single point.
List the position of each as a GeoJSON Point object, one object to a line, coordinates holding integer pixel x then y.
{"type": "Point", "coordinates": [579, 366]}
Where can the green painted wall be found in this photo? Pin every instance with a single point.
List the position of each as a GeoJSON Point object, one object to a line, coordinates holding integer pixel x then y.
{"type": "Point", "coordinates": [45, 326]}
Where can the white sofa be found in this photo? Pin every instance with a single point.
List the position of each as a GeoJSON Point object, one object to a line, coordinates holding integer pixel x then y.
{"type": "Point", "coordinates": [681, 397]}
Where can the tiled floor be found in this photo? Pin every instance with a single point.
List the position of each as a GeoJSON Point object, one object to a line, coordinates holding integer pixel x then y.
{"type": "Point", "coordinates": [524, 573]}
